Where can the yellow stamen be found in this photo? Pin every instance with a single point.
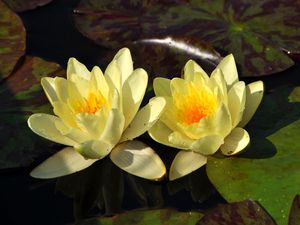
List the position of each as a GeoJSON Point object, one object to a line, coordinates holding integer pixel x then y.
{"type": "Point", "coordinates": [195, 104]}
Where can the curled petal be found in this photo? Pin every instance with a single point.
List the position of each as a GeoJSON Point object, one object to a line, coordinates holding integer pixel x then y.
{"type": "Point", "coordinates": [145, 118]}
{"type": "Point", "coordinates": [44, 125]}
{"type": "Point", "coordinates": [236, 102]}
{"type": "Point", "coordinates": [62, 163]}
{"type": "Point", "coordinates": [160, 133]}
{"type": "Point", "coordinates": [138, 159]}
{"type": "Point", "coordinates": [76, 67]}
{"type": "Point", "coordinates": [162, 86]}
{"type": "Point", "coordinates": [124, 62]}
{"type": "Point", "coordinates": [254, 95]}
{"type": "Point", "coordinates": [94, 149]}
{"type": "Point", "coordinates": [186, 162]}
{"type": "Point", "coordinates": [235, 142]}
{"type": "Point", "coordinates": [208, 145]}
{"type": "Point", "coordinates": [193, 72]}
{"type": "Point", "coordinates": [48, 85]}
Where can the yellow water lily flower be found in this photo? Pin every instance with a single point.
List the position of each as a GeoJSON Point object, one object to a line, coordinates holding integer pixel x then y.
{"type": "Point", "coordinates": [204, 114]}
{"type": "Point", "coordinates": [96, 115]}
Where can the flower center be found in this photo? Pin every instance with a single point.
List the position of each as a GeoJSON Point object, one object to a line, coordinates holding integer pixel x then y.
{"type": "Point", "coordinates": [91, 104]}
{"type": "Point", "coordinates": [195, 104]}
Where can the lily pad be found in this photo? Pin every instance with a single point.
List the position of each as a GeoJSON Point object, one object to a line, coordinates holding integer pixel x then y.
{"type": "Point", "coordinates": [269, 171]}
{"type": "Point", "coordinates": [21, 94]}
{"type": "Point", "coordinates": [256, 32]}
{"type": "Point", "coordinates": [239, 213]}
{"type": "Point", "coordinates": [21, 5]}
{"type": "Point", "coordinates": [12, 40]}
{"type": "Point", "coordinates": [149, 217]}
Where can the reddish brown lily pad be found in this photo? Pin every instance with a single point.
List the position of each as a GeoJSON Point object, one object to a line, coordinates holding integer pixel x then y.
{"type": "Point", "coordinates": [294, 218]}
{"type": "Point", "coordinates": [21, 5]}
{"type": "Point", "coordinates": [12, 40]}
{"type": "Point", "coordinates": [256, 32]}
{"type": "Point", "coordinates": [21, 94]}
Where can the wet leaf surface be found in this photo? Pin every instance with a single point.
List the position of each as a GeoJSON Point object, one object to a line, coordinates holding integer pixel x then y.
{"type": "Point", "coordinates": [255, 32]}
{"type": "Point", "coordinates": [12, 40]}
{"type": "Point", "coordinates": [239, 213]}
{"type": "Point", "coordinates": [21, 5]}
{"type": "Point", "coordinates": [149, 217]}
{"type": "Point", "coordinates": [269, 171]}
{"type": "Point", "coordinates": [21, 94]}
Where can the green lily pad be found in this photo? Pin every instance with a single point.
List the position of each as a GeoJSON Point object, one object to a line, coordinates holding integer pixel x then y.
{"type": "Point", "coordinates": [12, 40]}
{"type": "Point", "coordinates": [149, 217]}
{"type": "Point", "coordinates": [21, 5]}
{"type": "Point", "coordinates": [256, 32]}
{"type": "Point", "coordinates": [239, 213]}
{"type": "Point", "coordinates": [21, 94]}
{"type": "Point", "coordinates": [269, 171]}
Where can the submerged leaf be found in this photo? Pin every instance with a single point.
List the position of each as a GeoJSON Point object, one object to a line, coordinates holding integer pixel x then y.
{"type": "Point", "coordinates": [21, 5]}
{"type": "Point", "coordinates": [21, 94]}
{"type": "Point", "coordinates": [12, 40]}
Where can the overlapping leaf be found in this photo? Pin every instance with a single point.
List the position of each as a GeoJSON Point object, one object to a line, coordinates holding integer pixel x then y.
{"type": "Point", "coordinates": [269, 171]}
{"type": "Point", "coordinates": [21, 5]}
{"type": "Point", "coordinates": [256, 32]}
{"type": "Point", "coordinates": [21, 94]}
{"type": "Point", "coordinates": [12, 40]}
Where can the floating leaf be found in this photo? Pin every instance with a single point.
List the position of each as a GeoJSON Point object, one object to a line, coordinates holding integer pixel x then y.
{"type": "Point", "coordinates": [238, 213]}
{"type": "Point", "coordinates": [149, 217]}
{"type": "Point", "coordinates": [294, 218]}
{"type": "Point", "coordinates": [255, 32]}
{"type": "Point", "coordinates": [12, 40]}
{"type": "Point", "coordinates": [269, 171]}
{"type": "Point", "coordinates": [21, 94]}
{"type": "Point", "coordinates": [21, 5]}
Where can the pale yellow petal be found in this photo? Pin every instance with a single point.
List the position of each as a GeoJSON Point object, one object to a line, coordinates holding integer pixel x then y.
{"type": "Point", "coordinates": [236, 102]}
{"type": "Point", "coordinates": [94, 149]}
{"type": "Point", "coordinates": [193, 72]}
{"type": "Point", "coordinates": [186, 162]}
{"type": "Point", "coordinates": [145, 118]}
{"type": "Point", "coordinates": [112, 76]}
{"type": "Point", "coordinates": [180, 140]}
{"type": "Point", "coordinates": [235, 142]}
{"type": "Point", "coordinates": [208, 145]}
{"type": "Point", "coordinates": [162, 86]}
{"type": "Point", "coordinates": [81, 84]}
{"type": "Point", "coordinates": [217, 80]}
{"type": "Point", "coordinates": [254, 95]}
{"type": "Point", "coordinates": [76, 67]}
{"type": "Point", "coordinates": [113, 128]}
{"type": "Point", "coordinates": [48, 85]}
{"type": "Point", "coordinates": [44, 125]}
{"type": "Point", "coordinates": [64, 112]}
{"type": "Point", "coordinates": [124, 62]}
{"type": "Point", "coordinates": [228, 67]}
{"type": "Point", "coordinates": [98, 82]}
{"type": "Point", "coordinates": [133, 92]}
{"type": "Point", "coordinates": [61, 87]}
{"type": "Point", "coordinates": [64, 162]}
{"type": "Point", "coordinates": [179, 85]}
{"type": "Point", "coordinates": [138, 159]}
{"type": "Point", "coordinates": [159, 132]}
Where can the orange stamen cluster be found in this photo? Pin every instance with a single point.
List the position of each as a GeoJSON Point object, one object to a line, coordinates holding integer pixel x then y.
{"type": "Point", "coordinates": [91, 104]}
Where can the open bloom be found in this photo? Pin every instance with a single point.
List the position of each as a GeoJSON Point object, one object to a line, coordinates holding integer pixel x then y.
{"type": "Point", "coordinates": [97, 114]}
{"type": "Point", "coordinates": [204, 114]}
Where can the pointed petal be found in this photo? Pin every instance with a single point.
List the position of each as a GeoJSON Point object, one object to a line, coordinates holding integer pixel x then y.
{"type": "Point", "coordinates": [236, 102]}
{"type": "Point", "coordinates": [64, 162]}
{"type": "Point", "coordinates": [61, 87]}
{"type": "Point", "coordinates": [228, 67]}
{"type": "Point", "coordinates": [81, 84]}
{"type": "Point", "coordinates": [112, 75]}
{"type": "Point", "coordinates": [44, 125]}
{"type": "Point", "coordinates": [162, 86]}
{"type": "Point", "coordinates": [48, 85]}
{"type": "Point", "coordinates": [193, 72]}
{"type": "Point", "coordinates": [180, 140]}
{"type": "Point", "coordinates": [254, 95]}
{"type": "Point", "coordinates": [235, 142]}
{"type": "Point", "coordinates": [95, 149]}
{"type": "Point", "coordinates": [113, 128]}
{"type": "Point", "coordinates": [159, 132]}
{"type": "Point", "coordinates": [138, 159]}
{"type": "Point", "coordinates": [98, 82]}
{"type": "Point", "coordinates": [63, 111]}
{"type": "Point", "coordinates": [145, 118]}
{"type": "Point", "coordinates": [186, 162]}
{"type": "Point", "coordinates": [217, 80]}
{"type": "Point", "coordinates": [76, 67]}
{"type": "Point", "coordinates": [125, 64]}
{"type": "Point", "coordinates": [133, 92]}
